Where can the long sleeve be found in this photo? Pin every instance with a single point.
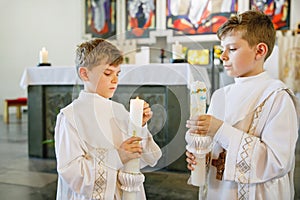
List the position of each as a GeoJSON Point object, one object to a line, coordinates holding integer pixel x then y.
{"type": "Point", "coordinates": [151, 151]}
{"type": "Point", "coordinates": [265, 156]}
{"type": "Point", "coordinates": [79, 166]}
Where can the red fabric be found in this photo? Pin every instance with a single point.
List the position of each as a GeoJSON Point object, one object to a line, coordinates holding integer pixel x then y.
{"type": "Point", "coordinates": [21, 100]}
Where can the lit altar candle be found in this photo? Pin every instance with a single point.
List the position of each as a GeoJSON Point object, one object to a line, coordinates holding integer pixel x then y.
{"type": "Point", "coordinates": [131, 178]}
{"type": "Point", "coordinates": [43, 55]}
{"type": "Point", "coordinates": [197, 144]}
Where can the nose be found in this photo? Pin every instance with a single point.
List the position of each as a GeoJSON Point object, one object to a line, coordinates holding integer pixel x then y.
{"type": "Point", "coordinates": [224, 56]}
{"type": "Point", "coordinates": [115, 79]}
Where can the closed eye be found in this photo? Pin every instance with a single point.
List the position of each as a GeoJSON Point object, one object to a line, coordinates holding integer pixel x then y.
{"type": "Point", "coordinates": [107, 73]}
{"type": "Point", "coordinates": [110, 72]}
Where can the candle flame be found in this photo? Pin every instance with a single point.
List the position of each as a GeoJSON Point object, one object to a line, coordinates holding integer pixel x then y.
{"type": "Point", "coordinates": [137, 97]}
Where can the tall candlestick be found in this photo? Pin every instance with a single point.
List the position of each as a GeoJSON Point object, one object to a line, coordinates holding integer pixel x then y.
{"type": "Point", "coordinates": [197, 144]}
{"type": "Point", "coordinates": [43, 55]}
{"type": "Point", "coordinates": [131, 178]}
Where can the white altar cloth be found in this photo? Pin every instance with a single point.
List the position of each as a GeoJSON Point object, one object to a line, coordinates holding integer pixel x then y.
{"type": "Point", "coordinates": [49, 76]}
{"type": "Point", "coordinates": [150, 74]}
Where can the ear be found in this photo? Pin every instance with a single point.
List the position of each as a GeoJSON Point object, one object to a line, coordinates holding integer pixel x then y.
{"type": "Point", "coordinates": [261, 51]}
{"type": "Point", "coordinates": [82, 71]}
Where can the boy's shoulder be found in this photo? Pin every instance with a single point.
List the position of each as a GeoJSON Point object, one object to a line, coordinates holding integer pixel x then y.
{"type": "Point", "coordinates": [274, 85]}
{"type": "Point", "coordinates": [67, 107]}
{"type": "Point", "coordinates": [267, 86]}
{"type": "Point", "coordinates": [81, 107]}
{"type": "Point", "coordinates": [67, 110]}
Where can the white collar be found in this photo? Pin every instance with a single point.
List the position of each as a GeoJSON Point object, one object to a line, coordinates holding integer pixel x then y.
{"type": "Point", "coordinates": [85, 94]}
{"type": "Point", "coordinates": [262, 76]}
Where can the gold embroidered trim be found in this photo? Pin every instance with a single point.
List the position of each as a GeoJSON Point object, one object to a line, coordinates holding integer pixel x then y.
{"type": "Point", "coordinates": [244, 163]}
{"type": "Point", "coordinates": [101, 176]}
{"type": "Point", "coordinates": [243, 166]}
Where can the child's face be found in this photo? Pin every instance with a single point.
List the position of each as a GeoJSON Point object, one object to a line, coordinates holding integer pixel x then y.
{"type": "Point", "coordinates": [238, 57]}
{"type": "Point", "coordinates": [103, 80]}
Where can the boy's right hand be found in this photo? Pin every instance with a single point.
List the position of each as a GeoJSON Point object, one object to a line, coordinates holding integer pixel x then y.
{"type": "Point", "coordinates": [130, 149]}
{"type": "Point", "coordinates": [204, 125]}
{"type": "Point", "coordinates": [191, 160]}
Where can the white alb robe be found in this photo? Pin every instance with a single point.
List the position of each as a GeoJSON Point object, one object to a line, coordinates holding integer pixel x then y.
{"type": "Point", "coordinates": [263, 162]}
{"type": "Point", "coordinates": [88, 133]}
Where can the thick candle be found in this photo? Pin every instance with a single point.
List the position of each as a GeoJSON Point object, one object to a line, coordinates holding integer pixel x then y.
{"type": "Point", "coordinates": [43, 55]}
{"type": "Point", "coordinates": [200, 145]}
{"type": "Point", "coordinates": [136, 113]}
{"type": "Point", "coordinates": [197, 99]}
{"type": "Point", "coordinates": [177, 51]}
{"type": "Point", "coordinates": [135, 125]}
{"type": "Point", "coordinates": [132, 167]}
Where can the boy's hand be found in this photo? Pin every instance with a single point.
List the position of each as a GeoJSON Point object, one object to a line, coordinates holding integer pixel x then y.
{"type": "Point", "coordinates": [130, 149]}
{"type": "Point", "coordinates": [191, 160]}
{"type": "Point", "coordinates": [204, 125]}
{"type": "Point", "coordinates": [147, 113]}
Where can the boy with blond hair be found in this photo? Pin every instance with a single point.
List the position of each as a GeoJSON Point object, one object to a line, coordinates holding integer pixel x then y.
{"type": "Point", "coordinates": [91, 139]}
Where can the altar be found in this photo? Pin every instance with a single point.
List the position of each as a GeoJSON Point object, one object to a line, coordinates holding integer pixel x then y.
{"type": "Point", "coordinates": [163, 86]}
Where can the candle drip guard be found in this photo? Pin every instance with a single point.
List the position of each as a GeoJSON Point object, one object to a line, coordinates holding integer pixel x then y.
{"type": "Point", "coordinates": [198, 144]}
{"type": "Point", "coordinates": [131, 182]}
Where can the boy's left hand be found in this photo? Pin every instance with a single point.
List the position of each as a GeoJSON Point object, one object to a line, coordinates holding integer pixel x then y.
{"type": "Point", "coordinates": [147, 113]}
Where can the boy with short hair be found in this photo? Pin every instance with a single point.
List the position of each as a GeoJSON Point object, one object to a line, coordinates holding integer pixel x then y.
{"type": "Point", "coordinates": [91, 139]}
{"type": "Point", "coordinates": [253, 122]}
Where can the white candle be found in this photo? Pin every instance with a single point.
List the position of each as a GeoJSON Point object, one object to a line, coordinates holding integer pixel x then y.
{"type": "Point", "coordinates": [136, 113]}
{"type": "Point", "coordinates": [200, 145]}
{"type": "Point", "coordinates": [132, 167]}
{"type": "Point", "coordinates": [197, 99]}
{"type": "Point", "coordinates": [135, 125]}
{"type": "Point", "coordinates": [177, 51]}
{"type": "Point", "coordinates": [43, 55]}
{"type": "Point", "coordinates": [198, 175]}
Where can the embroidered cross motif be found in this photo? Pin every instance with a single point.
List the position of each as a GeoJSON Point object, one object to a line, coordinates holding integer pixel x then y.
{"type": "Point", "coordinates": [101, 176]}
{"type": "Point", "coordinates": [219, 164]}
{"type": "Point", "coordinates": [243, 166]}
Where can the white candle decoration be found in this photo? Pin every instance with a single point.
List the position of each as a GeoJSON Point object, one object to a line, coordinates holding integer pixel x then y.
{"type": "Point", "coordinates": [131, 178]}
{"type": "Point", "coordinates": [197, 144]}
{"type": "Point", "coordinates": [197, 99]}
{"type": "Point", "coordinates": [43, 55]}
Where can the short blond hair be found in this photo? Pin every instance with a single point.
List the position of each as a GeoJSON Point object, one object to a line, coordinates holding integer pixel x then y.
{"type": "Point", "coordinates": [255, 26]}
{"type": "Point", "coordinates": [97, 51]}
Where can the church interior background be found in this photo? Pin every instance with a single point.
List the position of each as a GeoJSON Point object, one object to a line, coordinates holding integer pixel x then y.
{"type": "Point", "coordinates": [149, 34]}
